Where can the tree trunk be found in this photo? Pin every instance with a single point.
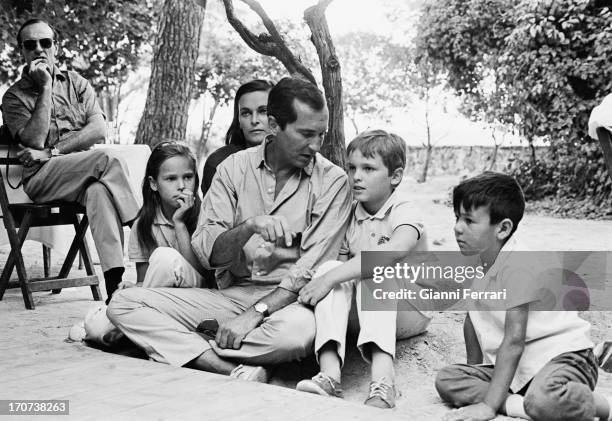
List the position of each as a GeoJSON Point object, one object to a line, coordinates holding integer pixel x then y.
{"type": "Point", "coordinates": [533, 152]}
{"type": "Point", "coordinates": [428, 146]}
{"type": "Point", "coordinates": [354, 123]}
{"type": "Point", "coordinates": [426, 166]}
{"type": "Point", "coordinates": [172, 73]}
{"type": "Point", "coordinates": [494, 157]}
{"type": "Point", "coordinates": [206, 125]}
{"type": "Point", "coordinates": [333, 147]}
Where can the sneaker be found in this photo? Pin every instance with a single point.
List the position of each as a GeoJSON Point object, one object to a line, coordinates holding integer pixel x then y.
{"type": "Point", "coordinates": [321, 384]}
{"type": "Point", "coordinates": [382, 394]}
{"type": "Point", "coordinates": [603, 352]}
{"type": "Point", "coordinates": [250, 373]}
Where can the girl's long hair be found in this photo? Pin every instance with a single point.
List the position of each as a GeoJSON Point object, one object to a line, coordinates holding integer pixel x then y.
{"type": "Point", "coordinates": [151, 200]}
{"type": "Point", "coordinates": [234, 134]}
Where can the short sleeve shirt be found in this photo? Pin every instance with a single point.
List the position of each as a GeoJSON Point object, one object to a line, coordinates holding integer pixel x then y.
{"type": "Point", "coordinates": [367, 231]}
{"type": "Point", "coordinates": [163, 234]}
{"type": "Point", "coordinates": [549, 333]}
{"type": "Point", "coordinates": [73, 102]}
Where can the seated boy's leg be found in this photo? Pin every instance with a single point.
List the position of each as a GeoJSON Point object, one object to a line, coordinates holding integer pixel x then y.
{"type": "Point", "coordinates": [563, 388]}
{"type": "Point", "coordinates": [378, 327]}
{"type": "Point", "coordinates": [162, 321]}
{"type": "Point", "coordinates": [331, 315]}
{"type": "Point", "coordinates": [168, 268]}
{"type": "Point", "coordinates": [463, 384]}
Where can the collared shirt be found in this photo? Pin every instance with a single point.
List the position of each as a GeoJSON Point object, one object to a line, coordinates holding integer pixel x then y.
{"type": "Point", "coordinates": [73, 102]}
{"type": "Point", "coordinates": [366, 231]}
{"type": "Point", "coordinates": [549, 333]}
{"type": "Point", "coordinates": [164, 235]}
{"type": "Point", "coordinates": [315, 201]}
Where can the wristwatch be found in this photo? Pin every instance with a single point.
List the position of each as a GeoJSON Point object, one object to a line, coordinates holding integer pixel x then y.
{"type": "Point", "coordinates": [54, 151]}
{"type": "Point", "coordinates": [262, 308]}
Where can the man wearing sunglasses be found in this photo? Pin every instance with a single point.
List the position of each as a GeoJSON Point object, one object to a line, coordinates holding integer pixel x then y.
{"type": "Point", "coordinates": [56, 118]}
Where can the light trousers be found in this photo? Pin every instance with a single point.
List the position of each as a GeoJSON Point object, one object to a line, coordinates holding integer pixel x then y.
{"type": "Point", "coordinates": [97, 179]}
{"type": "Point", "coordinates": [378, 327]}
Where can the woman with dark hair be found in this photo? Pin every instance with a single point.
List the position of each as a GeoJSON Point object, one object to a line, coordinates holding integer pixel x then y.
{"type": "Point", "coordinates": [249, 126]}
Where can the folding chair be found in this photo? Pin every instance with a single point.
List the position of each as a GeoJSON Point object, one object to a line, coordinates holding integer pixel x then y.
{"type": "Point", "coordinates": [18, 218]}
{"type": "Point", "coordinates": [606, 144]}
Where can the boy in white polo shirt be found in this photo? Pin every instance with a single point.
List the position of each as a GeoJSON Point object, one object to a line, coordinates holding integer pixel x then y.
{"type": "Point", "coordinates": [382, 220]}
{"type": "Point", "coordinates": [520, 362]}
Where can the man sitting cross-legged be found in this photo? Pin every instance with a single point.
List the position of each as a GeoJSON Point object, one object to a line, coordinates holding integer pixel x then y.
{"type": "Point", "coordinates": [273, 214]}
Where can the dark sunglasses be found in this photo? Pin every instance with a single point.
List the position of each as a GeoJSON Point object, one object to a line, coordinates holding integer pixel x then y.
{"type": "Point", "coordinates": [30, 44]}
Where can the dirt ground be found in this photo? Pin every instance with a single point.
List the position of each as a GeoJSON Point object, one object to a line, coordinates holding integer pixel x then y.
{"type": "Point", "coordinates": [418, 358]}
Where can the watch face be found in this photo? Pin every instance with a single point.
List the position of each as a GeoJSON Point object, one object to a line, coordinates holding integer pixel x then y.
{"type": "Point", "coordinates": [261, 308]}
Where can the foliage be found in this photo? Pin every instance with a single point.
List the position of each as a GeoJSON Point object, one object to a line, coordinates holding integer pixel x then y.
{"type": "Point", "coordinates": [218, 72]}
{"type": "Point", "coordinates": [375, 74]}
{"type": "Point", "coordinates": [102, 39]}
{"type": "Point", "coordinates": [539, 67]}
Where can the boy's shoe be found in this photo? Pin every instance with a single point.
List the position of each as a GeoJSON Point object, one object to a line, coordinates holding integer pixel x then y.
{"type": "Point", "coordinates": [603, 353]}
{"type": "Point", "coordinates": [250, 373]}
{"type": "Point", "coordinates": [382, 394]}
{"type": "Point", "coordinates": [321, 384]}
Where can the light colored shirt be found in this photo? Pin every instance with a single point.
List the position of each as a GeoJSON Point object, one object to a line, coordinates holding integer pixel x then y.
{"type": "Point", "coordinates": [549, 333]}
{"type": "Point", "coordinates": [601, 116]}
{"type": "Point", "coordinates": [73, 103]}
{"type": "Point", "coordinates": [163, 234]}
{"type": "Point", "coordinates": [315, 201]}
{"type": "Point", "coordinates": [366, 231]}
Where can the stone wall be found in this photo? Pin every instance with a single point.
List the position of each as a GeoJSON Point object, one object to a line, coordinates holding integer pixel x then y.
{"type": "Point", "coordinates": [451, 160]}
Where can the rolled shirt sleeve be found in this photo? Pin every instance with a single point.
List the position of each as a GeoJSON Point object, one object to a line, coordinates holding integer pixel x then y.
{"type": "Point", "coordinates": [87, 96]}
{"type": "Point", "coordinates": [315, 202]}
{"type": "Point", "coordinates": [321, 241]}
{"type": "Point", "coordinates": [217, 213]}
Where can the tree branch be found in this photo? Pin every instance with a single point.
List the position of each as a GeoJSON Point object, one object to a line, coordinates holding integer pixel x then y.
{"type": "Point", "coordinates": [271, 44]}
{"type": "Point", "coordinates": [252, 40]}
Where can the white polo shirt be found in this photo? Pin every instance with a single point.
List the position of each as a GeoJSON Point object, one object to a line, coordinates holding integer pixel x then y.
{"type": "Point", "coordinates": [549, 333]}
{"type": "Point", "coordinates": [366, 231]}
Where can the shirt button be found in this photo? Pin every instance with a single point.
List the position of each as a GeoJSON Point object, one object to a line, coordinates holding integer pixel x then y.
{"type": "Point", "coordinates": [373, 235]}
{"type": "Point", "coordinates": [270, 190]}
{"type": "Point", "coordinates": [258, 273]}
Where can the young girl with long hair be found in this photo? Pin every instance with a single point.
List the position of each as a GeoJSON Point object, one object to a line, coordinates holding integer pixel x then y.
{"type": "Point", "coordinates": [160, 240]}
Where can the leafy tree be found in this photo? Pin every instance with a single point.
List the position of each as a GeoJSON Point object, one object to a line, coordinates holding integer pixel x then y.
{"type": "Point", "coordinates": [219, 74]}
{"type": "Point", "coordinates": [548, 63]}
{"type": "Point", "coordinates": [272, 43]}
{"type": "Point", "coordinates": [103, 40]}
{"type": "Point", "coordinates": [375, 76]}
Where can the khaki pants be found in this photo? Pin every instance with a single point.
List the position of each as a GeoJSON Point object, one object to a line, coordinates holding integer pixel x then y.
{"type": "Point", "coordinates": [162, 321]}
{"type": "Point", "coordinates": [561, 390]}
{"type": "Point", "coordinates": [379, 327]}
{"type": "Point", "coordinates": [168, 268]}
{"type": "Point", "coordinates": [98, 180]}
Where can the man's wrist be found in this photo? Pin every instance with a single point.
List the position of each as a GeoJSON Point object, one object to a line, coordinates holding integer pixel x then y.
{"type": "Point", "coordinates": [250, 225]}
{"type": "Point", "coordinates": [252, 313]}
{"type": "Point", "coordinates": [494, 408]}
